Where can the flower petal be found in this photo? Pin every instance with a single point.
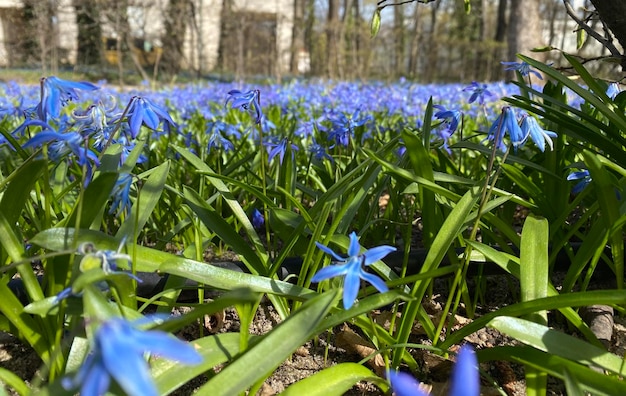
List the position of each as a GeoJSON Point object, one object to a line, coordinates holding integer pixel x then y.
{"type": "Point", "coordinates": [403, 384]}
{"type": "Point", "coordinates": [374, 254]}
{"type": "Point", "coordinates": [355, 247]}
{"type": "Point", "coordinates": [375, 281]}
{"type": "Point", "coordinates": [351, 285]}
{"type": "Point", "coordinates": [465, 377]}
{"type": "Point", "coordinates": [328, 250]}
{"type": "Point", "coordinates": [329, 272]}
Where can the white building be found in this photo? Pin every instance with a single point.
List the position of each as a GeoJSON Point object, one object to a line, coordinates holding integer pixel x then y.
{"type": "Point", "coordinates": [257, 34]}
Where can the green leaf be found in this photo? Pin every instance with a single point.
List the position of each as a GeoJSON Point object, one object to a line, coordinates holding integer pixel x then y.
{"type": "Point", "coordinates": [578, 299]}
{"type": "Point", "coordinates": [260, 360]}
{"type": "Point", "coordinates": [215, 350]}
{"type": "Point", "coordinates": [560, 344]}
{"type": "Point", "coordinates": [18, 191]}
{"type": "Point", "coordinates": [147, 198]}
{"type": "Point", "coordinates": [11, 380]}
{"type": "Point", "coordinates": [589, 380]}
{"type": "Point", "coordinates": [375, 23]}
{"type": "Point", "coordinates": [443, 241]}
{"type": "Point", "coordinates": [335, 380]}
{"type": "Point", "coordinates": [534, 263]}
{"type": "Point", "coordinates": [224, 279]}
{"type": "Point", "coordinates": [225, 231]}
{"type": "Point", "coordinates": [95, 198]}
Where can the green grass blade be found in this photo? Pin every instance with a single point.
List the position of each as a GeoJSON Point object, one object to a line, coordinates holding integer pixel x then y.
{"type": "Point", "coordinates": [560, 344]}
{"type": "Point", "coordinates": [587, 379]}
{"type": "Point", "coordinates": [147, 199]}
{"type": "Point", "coordinates": [335, 380]}
{"type": "Point", "coordinates": [260, 360]}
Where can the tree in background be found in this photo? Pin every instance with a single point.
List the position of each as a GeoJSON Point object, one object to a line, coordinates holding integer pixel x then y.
{"type": "Point", "coordinates": [89, 50]}
{"type": "Point", "coordinates": [175, 22]}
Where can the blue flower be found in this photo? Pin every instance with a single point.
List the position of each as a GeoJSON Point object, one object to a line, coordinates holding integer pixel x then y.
{"type": "Point", "coordinates": [56, 92]}
{"type": "Point", "coordinates": [613, 90]}
{"type": "Point", "coordinates": [105, 259]}
{"type": "Point", "coordinates": [60, 144]}
{"type": "Point", "coordinates": [465, 378]}
{"type": "Point", "coordinates": [117, 353]}
{"type": "Point", "coordinates": [247, 101]}
{"type": "Point", "coordinates": [121, 195]}
{"type": "Point", "coordinates": [479, 91]}
{"type": "Point", "coordinates": [318, 151]}
{"type": "Point", "coordinates": [258, 221]}
{"type": "Point", "coordinates": [451, 120]}
{"type": "Point", "coordinates": [506, 122]}
{"type": "Point", "coordinates": [279, 148]}
{"type": "Point", "coordinates": [142, 111]}
{"type": "Point", "coordinates": [583, 176]}
{"type": "Point", "coordinates": [530, 127]}
{"type": "Point", "coordinates": [523, 68]}
{"type": "Point", "coordinates": [343, 126]}
{"type": "Point", "coordinates": [352, 268]}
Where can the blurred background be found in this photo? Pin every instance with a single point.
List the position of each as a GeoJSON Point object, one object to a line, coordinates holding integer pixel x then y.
{"type": "Point", "coordinates": [130, 41]}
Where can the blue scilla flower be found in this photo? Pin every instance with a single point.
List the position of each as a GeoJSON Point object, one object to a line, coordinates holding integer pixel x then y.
{"type": "Point", "coordinates": [506, 122]}
{"type": "Point", "coordinates": [279, 147]}
{"type": "Point", "coordinates": [121, 195]}
{"type": "Point", "coordinates": [584, 179]}
{"type": "Point", "coordinates": [61, 144]}
{"type": "Point", "coordinates": [465, 378]}
{"type": "Point", "coordinates": [249, 101]}
{"type": "Point", "coordinates": [530, 127]}
{"type": "Point", "coordinates": [352, 268]}
{"type": "Point", "coordinates": [105, 259]}
{"type": "Point", "coordinates": [451, 120]}
{"type": "Point", "coordinates": [343, 126]}
{"type": "Point", "coordinates": [142, 111]}
{"type": "Point", "coordinates": [117, 353]}
{"type": "Point", "coordinates": [258, 221]}
{"type": "Point", "coordinates": [56, 92]}
{"type": "Point", "coordinates": [613, 90]}
{"type": "Point", "coordinates": [479, 92]}
{"type": "Point", "coordinates": [522, 67]}
{"type": "Point", "coordinates": [318, 151]}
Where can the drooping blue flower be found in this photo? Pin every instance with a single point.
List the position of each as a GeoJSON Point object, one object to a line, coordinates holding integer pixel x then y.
{"type": "Point", "coordinates": [121, 195]}
{"type": "Point", "coordinates": [318, 151]}
{"type": "Point", "coordinates": [451, 120]}
{"type": "Point", "coordinates": [118, 353]}
{"type": "Point", "coordinates": [249, 101]}
{"type": "Point", "coordinates": [506, 122]}
{"type": "Point", "coordinates": [56, 93]}
{"type": "Point", "coordinates": [530, 127]}
{"type": "Point", "coordinates": [522, 67]}
{"type": "Point", "coordinates": [279, 148]}
{"type": "Point", "coordinates": [583, 176]}
{"type": "Point", "coordinates": [105, 259]}
{"type": "Point", "coordinates": [479, 91]}
{"type": "Point", "coordinates": [258, 221]}
{"type": "Point", "coordinates": [343, 126]}
{"type": "Point", "coordinates": [142, 111]}
{"type": "Point", "coordinates": [352, 268]}
{"type": "Point", "coordinates": [61, 144]}
{"type": "Point", "coordinates": [465, 379]}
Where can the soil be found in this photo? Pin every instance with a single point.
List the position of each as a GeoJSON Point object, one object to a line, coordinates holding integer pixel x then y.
{"type": "Point", "coordinates": [344, 344]}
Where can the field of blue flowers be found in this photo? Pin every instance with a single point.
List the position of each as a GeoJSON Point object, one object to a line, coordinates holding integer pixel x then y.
{"type": "Point", "coordinates": [338, 199]}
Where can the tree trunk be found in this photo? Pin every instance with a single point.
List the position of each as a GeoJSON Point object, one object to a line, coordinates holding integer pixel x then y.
{"type": "Point", "coordinates": [297, 41]}
{"type": "Point", "coordinates": [332, 24]}
{"type": "Point", "coordinates": [89, 48]}
{"type": "Point", "coordinates": [613, 14]}
{"type": "Point", "coordinates": [415, 40]}
{"type": "Point", "coordinates": [398, 41]}
{"type": "Point", "coordinates": [175, 24]}
{"type": "Point", "coordinates": [525, 28]}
